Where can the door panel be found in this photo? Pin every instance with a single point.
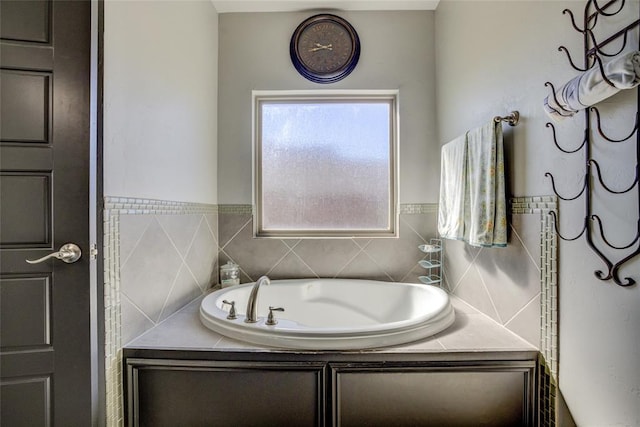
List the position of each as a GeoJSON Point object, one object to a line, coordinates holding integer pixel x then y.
{"type": "Point", "coordinates": [24, 316]}
{"type": "Point", "coordinates": [25, 209]}
{"type": "Point", "coordinates": [27, 401]}
{"type": "Point", "coordinates": [45, 340]}
{"type": "Point", "coordinates": [27, 21]}
{"type": "Point", "coordinates": [25, 106]}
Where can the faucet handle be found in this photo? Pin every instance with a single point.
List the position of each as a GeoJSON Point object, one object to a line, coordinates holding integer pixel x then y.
{"type": "Point", "coordinates": [232, 311]}
{"type": "Point", "coordinates": [270, 319]}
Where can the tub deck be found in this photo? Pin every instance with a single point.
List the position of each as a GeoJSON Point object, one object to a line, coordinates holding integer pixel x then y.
{"type": "Point", "coordinates": [472, 332]}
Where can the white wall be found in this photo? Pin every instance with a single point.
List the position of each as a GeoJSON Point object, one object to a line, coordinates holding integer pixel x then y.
{"type": "Point", "coordinates": [495, 56]}
{"type": "Point", "coordinates": [160, 100]}
{"type": "Point", "coordinates": [397, 53]}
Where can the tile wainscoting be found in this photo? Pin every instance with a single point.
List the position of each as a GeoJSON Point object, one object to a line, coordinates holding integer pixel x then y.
{"type": "Point", "coordinates": [161, 255]}
{"type": "Point", "coordinates": [158, 256]}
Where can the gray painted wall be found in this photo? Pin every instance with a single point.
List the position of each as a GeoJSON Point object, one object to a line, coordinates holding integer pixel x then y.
{"type": "Point", "coordinates": [397, 53]}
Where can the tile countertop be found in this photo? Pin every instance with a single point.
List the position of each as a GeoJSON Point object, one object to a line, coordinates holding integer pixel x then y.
{"type": "Point", "coordinates": [472, 331]}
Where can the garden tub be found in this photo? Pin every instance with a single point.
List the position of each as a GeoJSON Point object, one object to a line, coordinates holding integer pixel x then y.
{"type": "Point", "coordinates": [330, 314]}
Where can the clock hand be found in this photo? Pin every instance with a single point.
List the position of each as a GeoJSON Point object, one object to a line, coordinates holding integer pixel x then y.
{"type": "Point", "coordinates": [321, 47]}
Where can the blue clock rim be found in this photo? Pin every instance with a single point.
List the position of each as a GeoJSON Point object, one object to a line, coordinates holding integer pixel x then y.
{"type": "Point", "coordinates": [335, 76]}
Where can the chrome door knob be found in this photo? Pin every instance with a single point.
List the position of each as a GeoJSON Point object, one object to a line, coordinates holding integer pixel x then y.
{"type": "Point", "coordinates": [69, 253]}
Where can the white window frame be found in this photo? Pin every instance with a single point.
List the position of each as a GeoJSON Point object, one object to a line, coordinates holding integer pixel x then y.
{"type": "Point", "coordinates": [260, 96]}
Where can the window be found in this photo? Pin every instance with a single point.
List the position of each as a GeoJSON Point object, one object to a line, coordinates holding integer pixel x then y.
{"type": "Point", "coordinates": [325, 164]}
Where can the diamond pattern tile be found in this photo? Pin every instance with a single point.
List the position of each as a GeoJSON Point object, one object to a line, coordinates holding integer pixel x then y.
{"type": "Point", "coordinates": [522, 323]}
{"type": "Point", "coordinates": [423, 224]}
{"type": "Point", "coordinates": [291, 267]}
{"type": "Point", "coordinates": [458, 257]}
{"type": "Point", "coordinates": [511, 277]}
{"type": "Point", "coordinates": [201, 258]}
{"type": "Point", "coordinates": [131, 229]}
{"type": "Point", "coordinates": [136, 322]}
{"type": "Point", "coordinates": [397, 257]}
{"type": "Point", "coordinates": [363, 267]}
{"type": "Point", "coordinates": [472, 290]}
{"type": "Point", "coordinates": [184, 290]}
{"type": "Point", "coordinates": [147, 276]}
{"type": "Point", "coordinates": [256, 257]}
{"type": "Point", "coordinates": [229, 224]}
{"type": "Point", "coordinates": [526, 228]}
{"type": "Point", "coordinates": [326, 257]}
{"type": "Point", "coordinates": [181, 229]}
{"type": "Point", "coordinates": [212, 222]}
{"type": "Point", "coordinates": [167, 260]}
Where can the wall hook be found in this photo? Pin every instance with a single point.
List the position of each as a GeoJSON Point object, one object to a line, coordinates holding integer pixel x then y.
{"type": "Point", "coordinates": [568, 199]}
{"type": "Point", "coordinates": [606, 187]}
{"type": "Point", "coordinates": [601, 132]}
{"type": "Point", "coordinates": [555, 140]}
{"type": "Point", "coordinates": [557, 229]}
{"type": "Point", "coordinates": [573, 65]}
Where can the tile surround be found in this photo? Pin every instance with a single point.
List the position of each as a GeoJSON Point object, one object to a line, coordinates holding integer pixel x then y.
{"type": "Point", "coordinates": [192, 240]}
{"type": "Point", "coordinates": [502, 283]}
{"type": "Point", "coordinates": [516, 286]}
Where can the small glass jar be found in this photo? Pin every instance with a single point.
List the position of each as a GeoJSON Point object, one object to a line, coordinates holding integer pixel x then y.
{"type": "Point", "coordinates": [229, 274]}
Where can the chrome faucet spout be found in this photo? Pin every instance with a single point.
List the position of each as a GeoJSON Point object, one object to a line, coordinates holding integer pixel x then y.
{"type": "Point", "coordinates": [252, 304]}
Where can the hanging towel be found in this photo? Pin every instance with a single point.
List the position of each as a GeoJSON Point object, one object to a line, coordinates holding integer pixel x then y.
{"type": "Point", "coordinates": [589, 88]}
{"type": "Point", "coordinates": [453, 173]}
{"type": "Point", "coordinates": [485, 211]}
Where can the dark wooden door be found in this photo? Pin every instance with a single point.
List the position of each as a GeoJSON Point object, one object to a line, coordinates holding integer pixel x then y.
{"type": "Point", "coordinates": [45, 350]}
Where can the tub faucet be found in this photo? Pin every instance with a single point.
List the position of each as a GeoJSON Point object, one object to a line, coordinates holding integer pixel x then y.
{"type": "Point", "coordinates": [252, 304]}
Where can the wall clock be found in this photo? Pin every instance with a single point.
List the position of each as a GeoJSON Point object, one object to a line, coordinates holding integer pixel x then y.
{"type": "Point", "coordinates": [325, 48]}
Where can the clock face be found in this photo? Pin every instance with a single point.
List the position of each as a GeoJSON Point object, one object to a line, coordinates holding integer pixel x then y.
{"type": "Point", "coordinates": [325, 48]}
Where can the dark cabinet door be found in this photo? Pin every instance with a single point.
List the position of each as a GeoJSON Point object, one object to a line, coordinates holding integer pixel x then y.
{"type": "Point", "coordinates": [200, 393]}
{"type": "Point", "coordinates": [489, 395]}
{"type": "Point", "coordinates": [45, 354]}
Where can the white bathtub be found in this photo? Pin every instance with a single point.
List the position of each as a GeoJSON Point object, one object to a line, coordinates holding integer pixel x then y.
{"type": "Point", "coordinates": [332, 314]}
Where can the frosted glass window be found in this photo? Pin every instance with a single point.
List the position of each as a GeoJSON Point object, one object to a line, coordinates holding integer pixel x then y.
{"type": "Point", "coordinates": [325, 166]}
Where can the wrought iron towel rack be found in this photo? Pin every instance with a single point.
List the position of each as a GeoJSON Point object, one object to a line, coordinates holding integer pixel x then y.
{"type": "Point", "coordinates": [593, 53]}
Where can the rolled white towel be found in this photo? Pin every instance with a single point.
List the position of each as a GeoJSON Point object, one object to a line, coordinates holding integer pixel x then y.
{"type": "Point", "coordinates": [590, 87]}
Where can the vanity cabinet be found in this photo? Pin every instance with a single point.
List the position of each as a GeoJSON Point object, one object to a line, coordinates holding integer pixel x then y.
{"type": "Point", "coordinates": [331, 389]}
